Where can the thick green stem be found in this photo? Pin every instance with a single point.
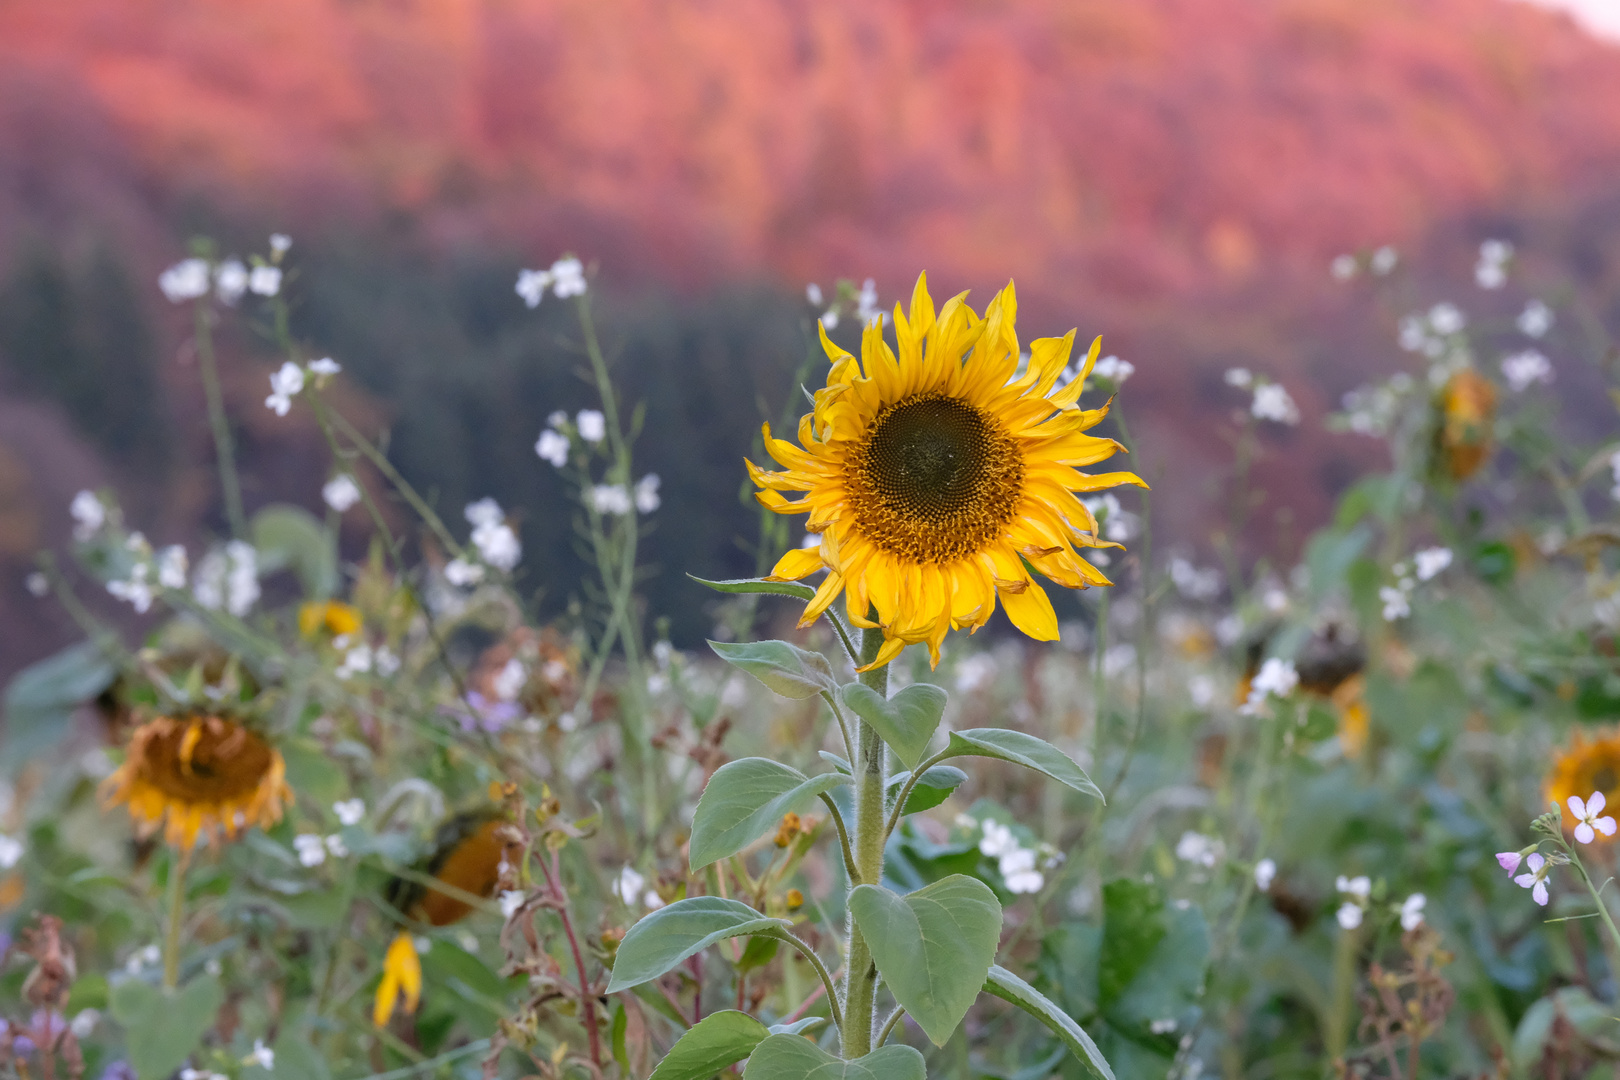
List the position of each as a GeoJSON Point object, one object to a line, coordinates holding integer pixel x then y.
{"type": "Point", "coordinates": [224, 446]}
{"type": "Point", "coordinates": [870, 777]}
{"type": "Point", "coordinates": [177, 918]}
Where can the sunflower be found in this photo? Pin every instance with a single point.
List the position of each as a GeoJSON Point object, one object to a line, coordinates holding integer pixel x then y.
{"type": "Point", "coordinates": [333, 616]}
{"type": "Point", "coordinates": [1467, 408]}
{"type": "Point", "coordinates": [205, 775]}
{"type": "Point", "coordinates": [467, 854]}
{"type": "Point", "coordinates": [938, 478]}
{"type": "Point", "coordinates": [1584, 766]}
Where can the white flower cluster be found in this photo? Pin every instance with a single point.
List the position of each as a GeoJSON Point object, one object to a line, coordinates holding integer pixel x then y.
{"type": "Point", "coordinates": [201, 1074]}
{"type": "Point", "coordinates": [1193, 582]}
{"type": "Point", "coordinates": [1357, 890]}
{"type": "Point", "coordinates": [1490, 272]}
{"type": "Point", "coordinates": [1371, 410]}
{"type": "Point", "coordinates": [190, 279]}
{"type": "Point", "coordinates": [362, 658]}
{"type": "Point", "coordinates": [349, 811]}
{"type": "Point", "coordinates": [618, 500]}
{"type": "Point", "coordinates": [1020, 867]}
{"type": "Point", "coordinates": [341, 492]}
{"type": "Point", "coordinates": [631, 886]}
{"type": "Point", "coordinates": [1114, 522]}
{"type": "Point", "coordinates": [165, 569]}
{"type": "Point", "coordinates": [1426, 564]}
{"type": "Point", "coordinates": [1380, 263]}
{"type": "Point", "coordinates": [11, 852]}
{"type": "Point", "coordinates": [1112, 369]}
{"type": "Point", "coordinates": [866, 304]}
{"type": "Point", "coordinates": [1525, 369]}
{"type": "Point", "coordinates": [228, 578]}
{"type": "Point", "coordinates": [1271, 399]}
{"type": "Point", "coordinates": [288, 381]}
{"type": "Point", "coordinates": [1432, 333]}
{"type": "Point", "coordinates": [565, 278]}
{"type": "Point", "coordinates": [1200, 850]}
{"type": "Point", "coordinates": [89, 515]}
{"type": "Point", "coordinates": [1535, 320]}
{"type": "Point", "coordinates": [313, 848]}
{"type": "Point", "coordinates": [495, 541]}
{"type": "Point", "coordinates": [1265, 872]}
{"type": "Point", "coordinates": [1276, 678]}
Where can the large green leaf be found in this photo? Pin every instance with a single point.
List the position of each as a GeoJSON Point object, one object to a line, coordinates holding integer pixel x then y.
{"type": "Point", "coordinates": [743, 800]}
{"type": "Point", "coordinates": [669, 935]}
{"type": "Point", "coordinates": [162, 1028]}
{"type": "Point", "coordinates": [785, 668]}
{"type": "Point", "coordinates": [1025, 750]}
{"type": "Point", "coordinates": [934, 947]}
{"type": "Point", "coordinates": [932, 788]}
{"type": "Point", "coordinates": [1009, 987]}
{"type": "Point", "coordinates": [906, 721]}
{"type": "Point", "coordinates": [39, 702]}
{"type": "Point", "coordinates": [758, 585]}
{"type": "Point", "coordinates": [792, 1057]}
{"type": "Point", "coordinates": [718, 1040]}
{"type": "Point", "coordinates": [290, 537]}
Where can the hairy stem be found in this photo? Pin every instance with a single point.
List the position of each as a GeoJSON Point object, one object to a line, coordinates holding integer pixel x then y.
{"type": "Point", "coordinates": [870, 777]}
{"type": "Point", "coordinates": [224, 445]}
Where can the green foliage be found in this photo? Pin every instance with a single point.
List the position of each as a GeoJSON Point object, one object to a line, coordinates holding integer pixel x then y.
{"type": "Point", "coordinates": [906, 721]}
{"type": "Point", "coordinates": [289, 537]}
{"type": "Point", "coordinates": [39, 702]}
{"type": "Point", "coordinates": [1021, 749]}
{"type": "Point", "coordinates": [164, 1027]}
{"type": "Point", "coordinates": [671, 934]}
{"type": "Point", "coordinates": [718, 1040]}
{"type": "Point", "coordinates": [746, 798]}
{"type": "Point", "coordinates": [785, 668]}
{"type": "Point", "coordinates": [1009, 987]}
{"type": "Point", "coordinates": [788, 1057]}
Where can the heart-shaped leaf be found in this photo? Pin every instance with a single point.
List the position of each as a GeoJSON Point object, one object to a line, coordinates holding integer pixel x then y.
{"type": "Point", "coordinates": [718, 1040]}
{"type": "Point", "coordinates": [934, 947]}
{"type": "Point", "coordinates": [669, 935]}
{"type": "Point", "coordinates": [793, 1057]}
{"type": "Point", "coordinates": [785, 668]}
{"type": "Point", "coordinates": [906, 721]}
{"type": "Point", "coordinates": [932, 788]}
{"type": "Point", "coordinates": [164, 1027]}
{"type": "Point", "coordinates": [1009, 987]}
{"type": "Point", "coordinates": [743, 800]}
{"type": "Point", "coordinates": [1025, 750]}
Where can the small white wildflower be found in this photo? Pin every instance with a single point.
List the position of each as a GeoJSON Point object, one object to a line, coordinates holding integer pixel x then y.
{"type": "Point", "coordinates": [1490, 272]}
{"type": "Point", "coordinates": [511, 900]}
{"type": "Point", "coordinates": [137, 591]}
{"type": "Point", "coordinates": [1523, 370]}
{"type": "Point", "coordinates": [356, 661]}
{"type": "Point", "coordinates": [1228, 628]}
{"type": "Point", "coordinates": [228, 578]}
{"type": "Point", "coordinates": [1240, 377]}
{"type": "Point", "coordinates": [591, 425]}
{"type": "Point", "coordinates": [866, 302]}
{"type": "Point", "coordinates": [279, 243]}
{"type": "Point", "coordinates": [1447, 319]}
{"type": "Point", "coordinates": [1199, 849]}
{"type": "Point", "coordinates": [286, 383]}
{"type": "Point", "coordinates": [349, 811]}
{"type": "Point", "coordinates": [610, 499]}
{"type": "Point", "coordinates": [185, 280]}
{"type": "Point", "coordinates": [340, 492]}
{"type": "Point", "coordinates": [1413, 333]}
{"type": "Point", "coordinates": [552, 446]}
{"type": "Point", "coordinates": [1349, 915]}
{"type": "Point", "coordinates": [829, 319]}
{"type": "Point", "coordinates": [1272, 402]}
{"type": "Point", "coordinates": [1586, 813]}
{"type": "Point", "coordinates": [492, 536]}
{"type": "Point", "coordinates": [557, 419]}
{"type": "Point", "coordinates": [646, 494]}
{"type": "Point", "coordinates": [37, 584]}
{"type": "Point", "coordinates": [1276, 677]}
{"type": "Point", "coordinates": [262, 1056]}
{"type": "Point", "coordinates": [1535, 320]}
{"type": "Point", "coordinates": [812, 293]}
{"type": "Point", "coordinates": [171, 567]}
{"type": "Point", "coordinates": [462, 574]}
{"type": "Point", "coordinates": [628, 885]}
{"type": "Point", "coordinates": [532, 286]}
{"type": "Point", "coordinates": [230, 281]}
{"type": "Point", "coordinates": [1193, 583]}
{"type": "Point", "coordinates": [265, 280]}
{"type": "Point", "coordinates": [335, 845]}
{"type": "Point", "coordinates": [1018, 872]}
{"type": "Point", "coordinates": [1383, 260]}
{"type": "Point", "coordinates": [1412, 911]}
{"type": "Point", "coordinates": [1359, 887]}
{"type": "Point", "coordinates": [324, 368]}
{"type": "Point", "coordinates": [84, 1022]}
{"type": "Point", "coordinates": [1201, 688]}
{"type": "Point", "coordinates": [89, 515]}
{"type": "Point", "coordinates": [1431, 561]}
{"type": "Point", "coordinates": [1114, 370]}
{"type": "Point", "coordinates": [1163, 1026]}
{"type": "Point", "coordinates": [1396, 603]}
{"type": "Point", "coordinates": [1265, 872]}
{"type": "Point", "coordinates": [568, 277]}
{"type": "Point", "coordinates": [508, 682]}
{"type": "Point", "coordinates": [1536, 878]}
{"type": "Point", "coordinates": [1343, 267]}
{"type": "Point", "coordinates": [11, 851]}
{"type": "Point", "coordinates": [311, 849]}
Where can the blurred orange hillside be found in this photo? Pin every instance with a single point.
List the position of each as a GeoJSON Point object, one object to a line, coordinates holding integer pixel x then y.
{"type": "Point", "coordinates": [1173, 174]}
{"type": "Point", "coordinates": [1124, 149]}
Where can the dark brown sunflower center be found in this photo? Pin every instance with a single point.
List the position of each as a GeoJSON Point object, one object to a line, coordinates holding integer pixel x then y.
{"type": "Point", "coordinates": [935, 480]}
{"type": "Point", "coordinates": [223, 761]}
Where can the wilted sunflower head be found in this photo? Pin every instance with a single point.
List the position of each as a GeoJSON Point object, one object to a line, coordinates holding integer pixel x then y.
{"type": "Point", "coordinates": [198, 776]}
{"type": "Point", "coordinates": [1584, 766]}
{"type": "Point", "coordinates": [1467, 411]}
{"type": "Point", "coordinates": [937, 476]}
{"type": "Point", "coordinates": [467, 853]}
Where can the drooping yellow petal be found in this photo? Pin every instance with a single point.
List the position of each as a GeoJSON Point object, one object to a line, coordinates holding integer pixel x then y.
{"type": "Point", "coordinates": [798, 563]}
{"type": "Point", "coordinates": [402, 972]}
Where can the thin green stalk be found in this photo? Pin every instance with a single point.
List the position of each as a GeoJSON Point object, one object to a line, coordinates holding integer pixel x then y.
{"type": "Point", "coordinates": [1337, 1035]}
{"type": "Point", "coordinates": [177, 917]}
{"type": "Point", "coordinates": [870, 777]}
{"type": "Point", "coordinates": [224, 445]}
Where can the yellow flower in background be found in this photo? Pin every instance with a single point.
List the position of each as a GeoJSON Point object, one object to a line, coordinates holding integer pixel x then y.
{"type": "Point", "coordinates": [1584, 766]}
{"type": "Point", "coordinates": [333, 616]}
{"type": "Point", "coordinates": [402, 971]}
{"type": "Point", "coordinates": [1467, 410]}
{"type": "Point", "coordinates": [937, 476]}
{"type": "Point", "coordinates": [198, 776]}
